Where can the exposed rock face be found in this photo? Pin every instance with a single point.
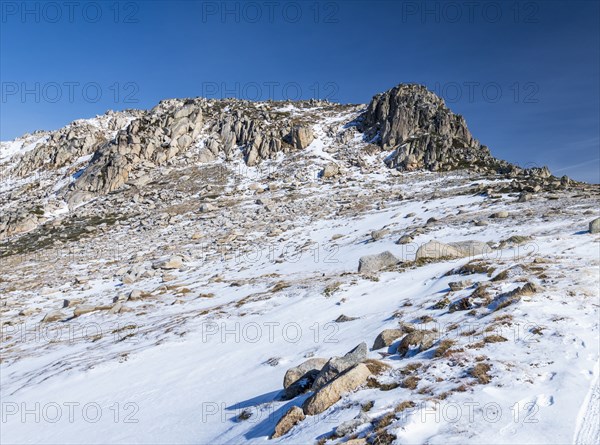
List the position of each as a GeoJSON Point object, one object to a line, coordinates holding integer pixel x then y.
{"type": "Point", "coordinates": [302, 136]}
{"type": "Point", "coordinates": [332, 392]}
{"type": "Point", "coordinates": [287, 422]}
{"type": "Point", "coordinates": [421, 130]}
{"type": "Point", "coordinates": [128, 149]}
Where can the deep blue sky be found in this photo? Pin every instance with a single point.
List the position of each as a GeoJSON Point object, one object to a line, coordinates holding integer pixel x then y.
{"type": "Point", "coordinates": [543, 57]}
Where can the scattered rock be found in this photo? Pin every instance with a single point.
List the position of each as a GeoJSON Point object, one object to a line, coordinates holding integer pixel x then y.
{"type": "Point", "coordinates": [501, 214]}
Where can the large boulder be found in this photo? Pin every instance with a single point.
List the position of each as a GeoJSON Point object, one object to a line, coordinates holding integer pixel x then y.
{"type": "Point", "coordinates": [336, 365]}
{"type": "Point", "coordinates": [434, 250]}
{"type": "Point", "coordinates": [595, 226]}
{"type": "Point", "coordinates": [471, 247]}
{"type": "Point", "coordinates": [333, 391]}
{"type": "Point", "coordinates": [294, 374]}
{"type": "Point", "coordinates": [387, 337]}
{"type": "Point", "coordinates": [293, 416]}
{"type": "Point", "coordinates": [375, 263]}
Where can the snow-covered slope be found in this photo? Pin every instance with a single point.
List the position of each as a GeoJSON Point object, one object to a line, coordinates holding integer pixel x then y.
{"type": "Point", "coordinates": [169, 311]}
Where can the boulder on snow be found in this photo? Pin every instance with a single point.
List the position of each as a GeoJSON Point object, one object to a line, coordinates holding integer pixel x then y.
{"type": "Point", "coordinates": [330, 170]}
{"type": "Point", "coordinates": [435, 250]}
{"type": "Point", "coordinates": [595, 226]}
{"type": "Point", "coordinates": [329, 394]}
{"type": "Point", "coordinates": [377, 262]}
{"type": "Point", "coordinates": [294, 374]}
{"type": "Point", "coordinates": [293, 416]}
{"type": "Point", "coordinates": [387, 337]}
{"type": "Point", "coordinates": [53, 316]}
{"type": "Point", "coordinates": [418, 341]}
{"type": "Point", "coordinates": [336, 365]}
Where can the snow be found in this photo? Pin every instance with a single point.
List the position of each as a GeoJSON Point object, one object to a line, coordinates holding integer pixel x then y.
{"type": "Point", "coordinates": [182, 368]}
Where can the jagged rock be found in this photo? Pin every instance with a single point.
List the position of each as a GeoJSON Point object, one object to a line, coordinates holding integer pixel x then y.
{"type": "Point", "coordinates": [292, 417]}
{"type": "Point", "coordinates": [387, 337]}
{"type": "Point", "coordinates": [302, 136]}
{"type": "Point", "coordinates": [417, 341]}
{"type": "Point", "coordinates": [337, 365]}
{"type": "Point", "coordinates": [329, 394]}
{"type": "Point", "coordinates": [421, 130]}
{"type": "Point", "coordinates": [595, 226]}
{"type": "Point", "coordinates": [377, 262]}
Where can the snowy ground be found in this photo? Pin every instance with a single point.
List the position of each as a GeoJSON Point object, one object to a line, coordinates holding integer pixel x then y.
{"type": "Point", "coordinates": [200, 358]}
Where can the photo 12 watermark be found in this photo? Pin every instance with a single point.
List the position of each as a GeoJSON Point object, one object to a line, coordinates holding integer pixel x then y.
{"type": "Point", "coordinates": [69, 92]}
{"type": "Point", "coordinates": [266, 12]}
{"type": "Point", "coordinates": [65, 12]}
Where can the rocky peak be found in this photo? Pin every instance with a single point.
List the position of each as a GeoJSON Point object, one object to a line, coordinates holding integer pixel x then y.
{"type": "Point", "coordinates": [421, 130]}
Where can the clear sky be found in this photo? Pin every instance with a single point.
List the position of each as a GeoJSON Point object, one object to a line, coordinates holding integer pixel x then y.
{"type": "Point", "coordinates": [525, 74]}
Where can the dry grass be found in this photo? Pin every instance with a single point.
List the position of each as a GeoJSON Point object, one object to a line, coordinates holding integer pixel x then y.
{"type": "Point", "coordinates": [443, 348]}
{"type": "Point", "coordinates": [494, 339]}
{"type": "Point", "coordinates": [411, 382]}
{"type": "Point", "coordinates": [377, 367]}
{"type": "Point", "coordinates": [480, 372]}
{"type": "Point", "coordinates": [404, 406]}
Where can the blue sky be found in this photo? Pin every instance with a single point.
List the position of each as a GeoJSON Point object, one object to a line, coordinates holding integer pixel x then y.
{"type": "Point", "coordinates": [526, 75]}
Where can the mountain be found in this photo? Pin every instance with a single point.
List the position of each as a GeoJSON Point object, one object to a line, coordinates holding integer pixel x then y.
{"type": "Point", "coordinates": [226, 271]}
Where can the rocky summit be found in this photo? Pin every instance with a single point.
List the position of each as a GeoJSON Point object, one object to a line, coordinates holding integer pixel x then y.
{"type": "Point", "coordinates": [216, 271]}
